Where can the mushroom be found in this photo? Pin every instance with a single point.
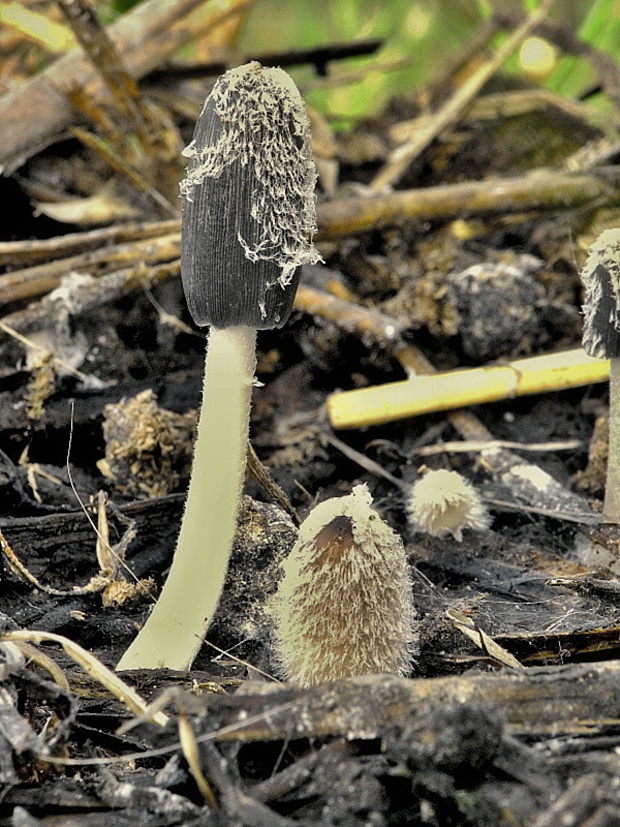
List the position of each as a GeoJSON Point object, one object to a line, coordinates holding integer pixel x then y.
{"type": "Point", "coordinates": [444, 502]}
{"type": "Point", "coordinates": [248, 219]}
{"type": "Point", "coordinates": [601, 338]}
{"type": "Point", "coordinates": [344, 606]}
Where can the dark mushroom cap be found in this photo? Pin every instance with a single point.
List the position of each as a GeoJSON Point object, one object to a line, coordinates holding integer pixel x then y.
{"type": "Point", "coordinates": [601, 278]}
{"type": "Point", "coordinates": [248, 201]}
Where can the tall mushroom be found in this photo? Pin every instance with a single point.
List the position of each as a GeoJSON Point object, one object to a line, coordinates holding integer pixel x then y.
{"type": "Point", "coordinates": [248, 219]}
{"type": "Point", "coordinates": [601, 338]}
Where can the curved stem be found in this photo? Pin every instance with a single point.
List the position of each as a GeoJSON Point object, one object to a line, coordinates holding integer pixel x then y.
{"type": "Point", "coordinates": [175, 630]}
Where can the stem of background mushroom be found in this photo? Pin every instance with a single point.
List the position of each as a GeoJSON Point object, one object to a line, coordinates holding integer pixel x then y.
{"type": "Point", "coordinates": [611, 507]}
{"type": "Point", "coordinates": [173, 633]}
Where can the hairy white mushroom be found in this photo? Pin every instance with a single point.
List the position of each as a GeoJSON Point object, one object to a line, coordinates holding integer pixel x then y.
{"type": "Point", "coordinates": [443, 503]}
{"type": "Point", "coordinates": [344, 606]}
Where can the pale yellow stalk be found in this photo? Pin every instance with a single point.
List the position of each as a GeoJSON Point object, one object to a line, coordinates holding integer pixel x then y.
{"type": "Point", "coordinates": [418, 395]}
{"type": "Point", "coordinates": [175, 629]}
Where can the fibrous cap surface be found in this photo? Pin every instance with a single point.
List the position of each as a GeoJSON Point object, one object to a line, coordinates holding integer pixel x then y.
{"type": "Point", "coordinates": [601, 278]}
{"type": "Point", "coordinates": [345, 605]}
{"type": "Point", "coordinates": [249, 208]}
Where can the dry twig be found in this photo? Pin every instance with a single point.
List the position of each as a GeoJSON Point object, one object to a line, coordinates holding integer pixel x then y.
{"type": "Point", "coordinates": [462, 388]}
{"type": "Point", "coordinates": [539, 190]}
{"type": "Point", "coordinates": [144, 38]}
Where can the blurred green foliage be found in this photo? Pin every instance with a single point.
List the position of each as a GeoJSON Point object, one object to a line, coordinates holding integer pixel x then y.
{"type": "Point", "coordinates": [599, 26]}
{"type": "Point", "coordinates": [421, 39]}
{"type": "Point", "coordinates": [425, 35]}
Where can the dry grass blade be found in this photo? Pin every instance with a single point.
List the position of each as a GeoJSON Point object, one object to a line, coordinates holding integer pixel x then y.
{"type": "Point", "coordinates": [102, 53]}
{"type": "Point", "coordinates": [466, 625]}
{"type": "Point", "coordinates": [364, 322]}
{"type": "Point", "coordinates": [542, 190]}
{"type": "Point", "coordinates": [258, 470]}
{"type": "Point", "coordinates": [362, 460]}
{"type": "Point", "coordinates": [36, 27]}
{"type": "Point", "coordinates": [45, 662]}
{"type": "Point", "coordinates": [93, 667]}
{"type": "Point", "coordinates": [28, 343]}
{"type": "Point", "coordinates": [187, 737]}
{"type": "Point", "coordinates": [144, 38]}
{"type": "Point", "coordinates": [38, 250]}
{"type": "Point", "coordinates": [136, 176]}
{"type": "Point", "coordinates": [18, 568]}
{"type": "Point", "coordinates": [461, 388]}
{"type": "Point", "coordinates": [474, 446]}
{"type": "Point", "coordinates": [41, 278]}
{"type": "Point", "coordinates": [152, 168]}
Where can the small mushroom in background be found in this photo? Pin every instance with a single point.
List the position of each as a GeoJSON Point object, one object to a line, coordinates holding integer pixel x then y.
{"type": "Point", "coordinates": [601, 339]}
{"type": "Point", "coordinates": [248, 219]}
{"type": "Point", "coordinates": [344, 606]}
{"type": "Point", "coordinates": [444, 502]}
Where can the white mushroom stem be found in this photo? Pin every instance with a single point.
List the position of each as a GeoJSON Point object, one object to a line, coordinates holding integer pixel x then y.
{"type": "Point", "coordinates": [176, 628]}
{"type": "Point", "coordinates": [611, 506]}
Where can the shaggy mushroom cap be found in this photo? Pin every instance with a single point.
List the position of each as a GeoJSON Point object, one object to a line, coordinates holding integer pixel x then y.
{"type": "Point", "coordinates": [443, 503]}
{"type": "Point", "coordinates": [601, 308]}
{"type": "Point", "coordinates": [344, 606]}
{"type": "Point", "coordinates": [248, 219]}
{"type": "Point", "coordinates": [249, 210]}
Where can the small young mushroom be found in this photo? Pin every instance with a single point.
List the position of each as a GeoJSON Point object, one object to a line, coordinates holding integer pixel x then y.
{"type": "Point", "coordinates": [601, 338]}
{"type": "Point", "coordinates": [344, 606]}
{"type": "Point", "coordinates": [248, 219]}
{"type": "Point", "coordinates": [444, 502]}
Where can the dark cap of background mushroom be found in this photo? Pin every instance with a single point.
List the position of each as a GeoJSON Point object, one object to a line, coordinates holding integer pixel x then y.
{"type": "Point", "coordinates": [601, 278]}
{"type": "Point", "coordinates": [248, 204]}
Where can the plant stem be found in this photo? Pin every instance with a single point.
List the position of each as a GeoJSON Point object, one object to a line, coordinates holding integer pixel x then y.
{"type": "Point", "coordinates": [611, 505]}
{"type": "Point", "coordinates": [175, 630]}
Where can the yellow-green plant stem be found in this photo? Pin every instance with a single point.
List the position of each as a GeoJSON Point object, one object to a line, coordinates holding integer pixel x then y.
{"type": "Point", "coordinates": [611, 505]}
{"type": "Point", "coordinates": [175, 629]}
